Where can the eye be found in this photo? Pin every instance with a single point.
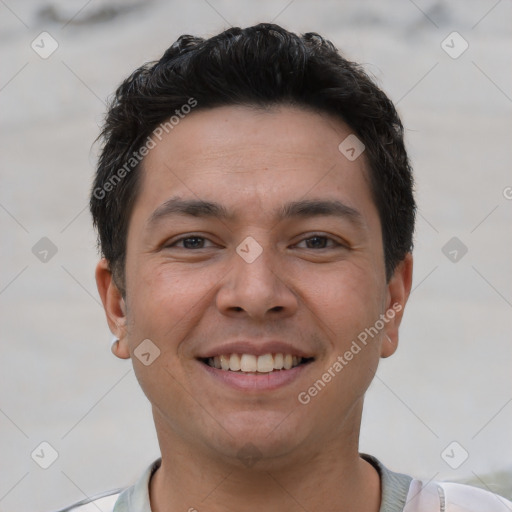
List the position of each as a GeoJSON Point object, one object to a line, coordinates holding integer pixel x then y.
{"type": "Point", "coordinates": [319, 242]}
{"type": "Point", "coordinates": [189, 242]}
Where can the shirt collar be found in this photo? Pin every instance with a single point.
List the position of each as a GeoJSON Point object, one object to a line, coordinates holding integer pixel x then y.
{"type": "Point", "coordinates": [136, 497]}
{"type": "Point", "coordinates": [395, 487]}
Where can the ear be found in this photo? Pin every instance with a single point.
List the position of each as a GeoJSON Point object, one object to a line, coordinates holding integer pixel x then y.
{"type": "Point", "coordinates": [114, 306]}
{"type": "Point", "coordinates": [398, 290]}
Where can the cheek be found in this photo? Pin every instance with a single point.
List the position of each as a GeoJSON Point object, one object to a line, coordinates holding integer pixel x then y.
{"type": "Point", "coordinates": [166, 302]}
{"type": "Point", "coordinates": [347, 299]}
{"type": "Point", "coordinates": [346, 305]}
{"type": "Point", "coordinates": [162, 309]}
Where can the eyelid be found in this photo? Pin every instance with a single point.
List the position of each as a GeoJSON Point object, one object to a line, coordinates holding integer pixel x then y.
{"type": "Point", "coordinates": [185, 237]}
{"type": "Point", "coordinates": [337, 243]}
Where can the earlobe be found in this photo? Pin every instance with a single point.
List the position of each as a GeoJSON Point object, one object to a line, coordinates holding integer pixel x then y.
{"type": "Point", "coordinates": [114, 306]}
{"type": "Point", "coordinates": [399, 288]}
{"type": "Point", "coordinates": [120, 348]}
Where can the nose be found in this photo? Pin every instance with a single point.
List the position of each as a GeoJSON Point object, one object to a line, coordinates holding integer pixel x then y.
{"type": "Point", "coordinates": [259, 289]}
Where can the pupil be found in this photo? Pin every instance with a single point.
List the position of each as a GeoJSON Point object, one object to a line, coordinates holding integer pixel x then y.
{"type": "Point", "coordinates": [188, 245]}
{"type": "Point", "coordinates": [320, 241]}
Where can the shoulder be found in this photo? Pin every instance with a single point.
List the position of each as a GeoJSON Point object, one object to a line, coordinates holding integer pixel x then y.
{"type": "Point", "coordinates": [104, 502]}
{"type": "Point", "coordinates": [133, 498]}
{"type": "Point", "coordinates": [452, 497]}
{"type": "Point", "coordinates": [403, 493]}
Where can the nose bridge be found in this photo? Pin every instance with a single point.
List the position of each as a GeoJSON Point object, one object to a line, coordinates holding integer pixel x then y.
{"type": "Point", "coordinates": [254, 284]}
{"type": "Point", "coordinates": [255, 263]}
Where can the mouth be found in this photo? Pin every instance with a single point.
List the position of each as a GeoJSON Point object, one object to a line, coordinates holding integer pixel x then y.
{"type": "Point", "coordinates": [256, 364]}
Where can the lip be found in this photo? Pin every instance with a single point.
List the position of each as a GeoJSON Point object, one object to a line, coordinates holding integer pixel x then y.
{"type": "Point", "coordinates": [255, 348]}
{"type": "Point", "coordinates": [256, 382]}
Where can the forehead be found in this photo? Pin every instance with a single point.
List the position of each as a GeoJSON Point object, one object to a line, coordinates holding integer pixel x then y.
{"type": "Point", "coordinates": [252, 159]}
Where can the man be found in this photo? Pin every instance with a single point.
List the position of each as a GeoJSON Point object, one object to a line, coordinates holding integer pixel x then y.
{"type": "Point", "coordinates": [254, 203]}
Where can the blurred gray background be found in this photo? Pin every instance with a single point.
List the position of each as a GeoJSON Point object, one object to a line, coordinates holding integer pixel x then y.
{"type": "Point", "coordinates": [450, 380]}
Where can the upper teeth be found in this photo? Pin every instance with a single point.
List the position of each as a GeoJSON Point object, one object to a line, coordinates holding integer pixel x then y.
{"type": "Point", "coordinates": [251, 363]}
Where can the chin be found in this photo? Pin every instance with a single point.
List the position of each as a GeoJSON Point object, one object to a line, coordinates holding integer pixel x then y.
{"type": "Point", "coordinates": [255, 438]}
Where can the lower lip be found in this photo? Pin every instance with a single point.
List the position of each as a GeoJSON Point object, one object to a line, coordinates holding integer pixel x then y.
{"type": "Point", "coordinates": [256, 382]}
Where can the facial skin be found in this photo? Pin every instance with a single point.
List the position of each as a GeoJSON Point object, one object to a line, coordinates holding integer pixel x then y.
{"type": "Point", "coordinates": [189, 301]}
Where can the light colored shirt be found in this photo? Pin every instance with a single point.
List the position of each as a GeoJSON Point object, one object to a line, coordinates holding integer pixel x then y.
{"type": "Point", "coordinates": [400, 493]}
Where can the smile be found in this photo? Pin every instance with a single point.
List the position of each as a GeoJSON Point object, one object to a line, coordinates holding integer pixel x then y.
{"type": "Point", "coordinates": [250, 363]}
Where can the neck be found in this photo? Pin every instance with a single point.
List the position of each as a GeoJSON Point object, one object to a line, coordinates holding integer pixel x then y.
{"type": "Point", "coordinates": [332, 477]}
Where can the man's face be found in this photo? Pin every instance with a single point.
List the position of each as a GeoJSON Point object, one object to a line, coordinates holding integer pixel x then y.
{"type": "Point", "coordinates": [273, 276]}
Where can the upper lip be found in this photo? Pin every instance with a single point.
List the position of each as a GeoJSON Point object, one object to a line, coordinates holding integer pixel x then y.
{"type": "Point", "coordinates": [257, 348]}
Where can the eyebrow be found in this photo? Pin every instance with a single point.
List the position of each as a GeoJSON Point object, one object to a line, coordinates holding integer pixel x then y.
{"type": "Point", "coordinates": [302, 208]}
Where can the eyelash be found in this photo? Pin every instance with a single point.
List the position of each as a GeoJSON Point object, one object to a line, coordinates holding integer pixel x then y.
{"type": "Point", "coordinates": [189, 237]}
